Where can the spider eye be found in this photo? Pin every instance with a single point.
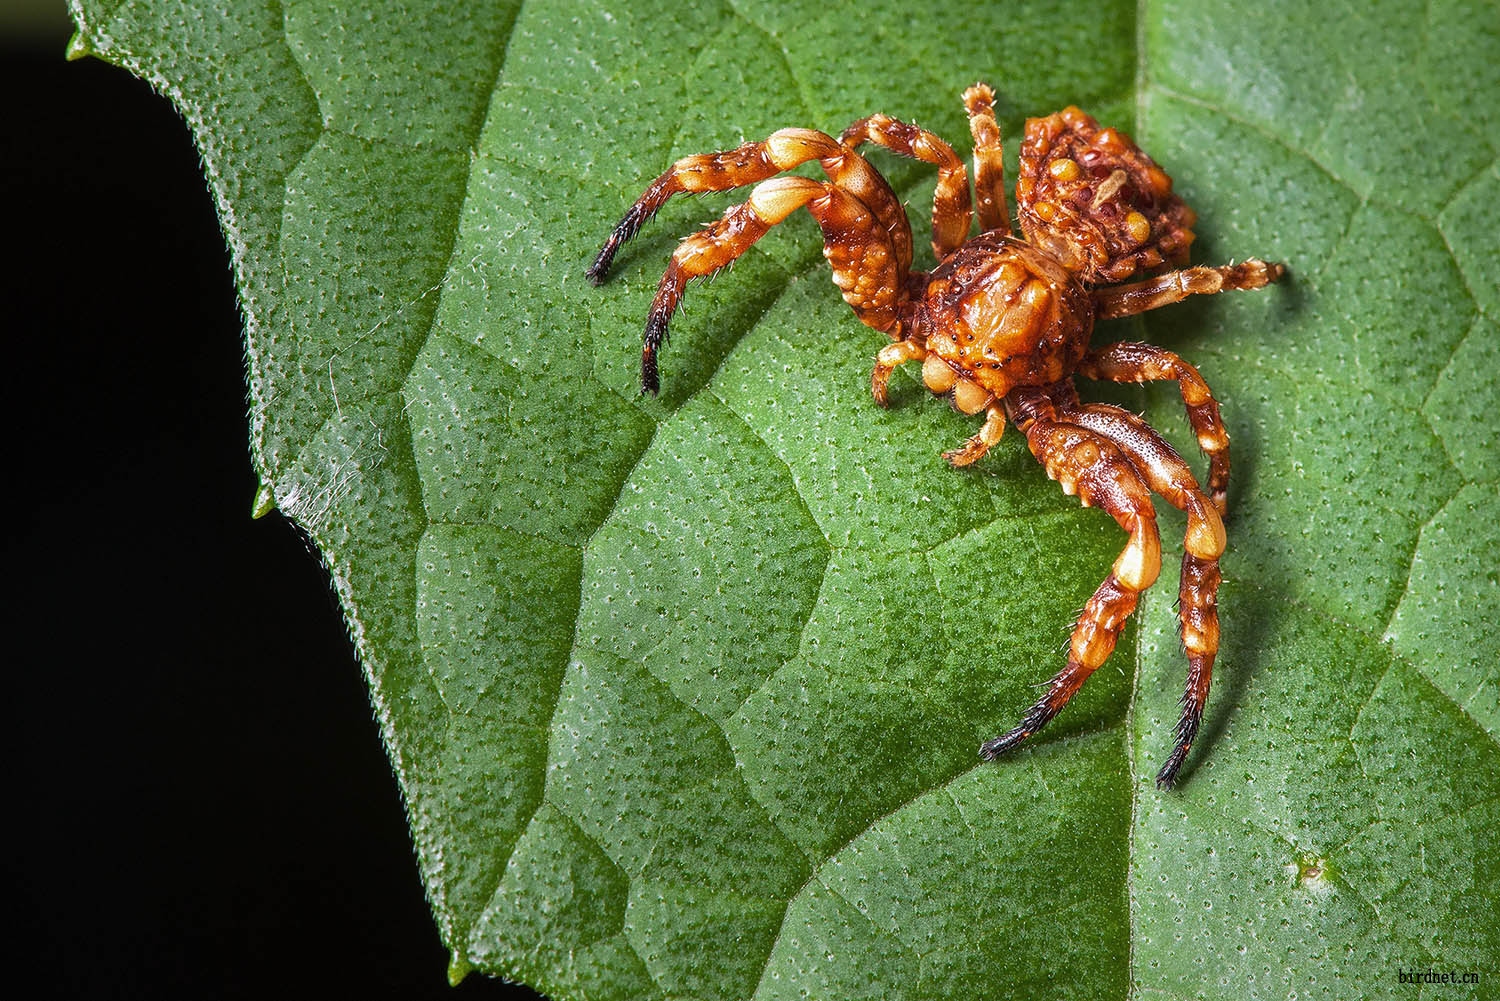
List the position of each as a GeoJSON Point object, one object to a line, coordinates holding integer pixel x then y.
{"type": "Point", "coordinates": [1093, 199]}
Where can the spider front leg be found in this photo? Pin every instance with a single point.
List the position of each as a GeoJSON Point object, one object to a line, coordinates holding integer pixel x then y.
{"type": "Point", "coordinates": [856, 244]}
{"type": "Point", "coordinates": [1090, 465]}
{"type": "Point", "coordinates": [1164, 471]}
{"type": "Point", "coordinates": [951, 212]}
{"type": "Point", "coordinates": [1132, 362]}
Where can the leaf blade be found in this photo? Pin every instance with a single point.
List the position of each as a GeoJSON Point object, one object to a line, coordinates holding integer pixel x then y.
{"type": "Point", "coordinates": [626, 650]}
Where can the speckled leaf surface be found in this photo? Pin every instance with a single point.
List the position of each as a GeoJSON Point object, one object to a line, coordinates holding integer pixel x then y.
{"type": "Point", "coordinates": [684, 693]}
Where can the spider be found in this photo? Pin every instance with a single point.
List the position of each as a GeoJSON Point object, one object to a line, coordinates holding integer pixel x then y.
{"type": "Point", "coordinates": [1002, 327]}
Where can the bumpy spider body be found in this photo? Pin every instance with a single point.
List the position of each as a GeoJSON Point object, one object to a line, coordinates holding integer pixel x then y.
{"type": "Point", "coordinates": [1002, 325]}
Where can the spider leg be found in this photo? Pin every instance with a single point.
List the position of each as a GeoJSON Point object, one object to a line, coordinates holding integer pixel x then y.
{"type": "Point", "coordinates": [1133, 362]}
{"type": "Point", "coordinates": [1087, 463]}
{"type": "Point", "coordinates": [989, 166]}
{"type": "Point", "coordinates": [856, 244]}
{"type": "Point", "coordinates": [1167, 474]}
{"type": "Point", "coordinates": [1175, 286]}
{"type": "Point", "coordinates": [950, 201]}
{"type": "Point", "coordinates": [759, 161]}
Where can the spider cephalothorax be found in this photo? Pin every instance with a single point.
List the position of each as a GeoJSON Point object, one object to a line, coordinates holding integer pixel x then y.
{"type": "Point", "coordinates": [1003, 325]}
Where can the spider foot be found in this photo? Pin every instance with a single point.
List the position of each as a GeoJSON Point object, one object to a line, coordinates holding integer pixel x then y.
{"type": "Point", "coordinates": [1036, 718]}
{"type": "Point", "coordinates": [656, 334]}
{"type": "Point", "coordinates": [1185, 733]}
{"type": "Point", "coordinates": [992, 749]}
{"type": "Point", "coordinates": [969, 452]}
{"type": "Point", "coordinates": [1167, 777]}
{"type": "Point", "coordinates": [1253, 274]}
{"type": "Point", "coordinates": [624, 230]}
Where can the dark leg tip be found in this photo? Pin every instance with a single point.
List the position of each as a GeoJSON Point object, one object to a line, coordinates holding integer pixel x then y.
{"type": "Point", "coordinates": [992, 749]}
{"type": "Point", "coordinates": [656, 335]}
{"type": "Point", "coordinates": [624, 231]}
{"type": "Point", "coordinates": [1036, 717]}
{"type": "Point", "coordinates": [650, 382]}
{"type": "Point", "coordinates": [1185, 733]}
{"type": "Point", "coordinates": [1167, 777]}
{"type": "Point", "coordinates": [597, 271]}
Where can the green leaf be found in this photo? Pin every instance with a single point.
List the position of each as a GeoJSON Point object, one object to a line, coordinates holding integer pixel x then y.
{"type": "Point", "coordinates": [684, 693]}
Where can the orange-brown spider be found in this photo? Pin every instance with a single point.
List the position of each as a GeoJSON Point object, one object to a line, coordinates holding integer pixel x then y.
{"type": "Point", "coordinates": [1003, 325]}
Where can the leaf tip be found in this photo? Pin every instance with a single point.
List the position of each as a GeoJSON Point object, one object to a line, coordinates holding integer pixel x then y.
{"type": "Point", "coordinates": [265, 501]}
{"type": "Point", "coordinates": [80, 46]}
{"type": "Point", "coordinates": [459, 968]}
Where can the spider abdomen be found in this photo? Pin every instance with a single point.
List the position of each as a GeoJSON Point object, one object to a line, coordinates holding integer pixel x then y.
{"type": "Point", "coordinates": [1003, 314]}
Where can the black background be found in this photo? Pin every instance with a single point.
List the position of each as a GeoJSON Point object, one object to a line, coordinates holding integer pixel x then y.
{"type": "Point", "coordinates": [200, 805]}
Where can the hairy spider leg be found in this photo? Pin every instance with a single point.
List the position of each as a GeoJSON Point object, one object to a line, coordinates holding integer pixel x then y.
{"type": "Point", "coordinates": [1175, 286]}
{"type": "Point", "coordinates": [1128, 361]}
{"type": "Point", "coordinates": [989, 165]}
{"type": "Point", "coordinates": [755, 162]}
{"type": "Point", "coordinates": [1165, 472]}
{"type": "Point", "coordinates": [856, 244]}
{"type": "Point", "coordinates": [1087, 463]}
{"type": "Point", "coordinates": [951, 212]}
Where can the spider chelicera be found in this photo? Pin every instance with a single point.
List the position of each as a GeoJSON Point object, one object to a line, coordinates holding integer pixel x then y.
{"type": "Point", "coordinates": [1002, 325]}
